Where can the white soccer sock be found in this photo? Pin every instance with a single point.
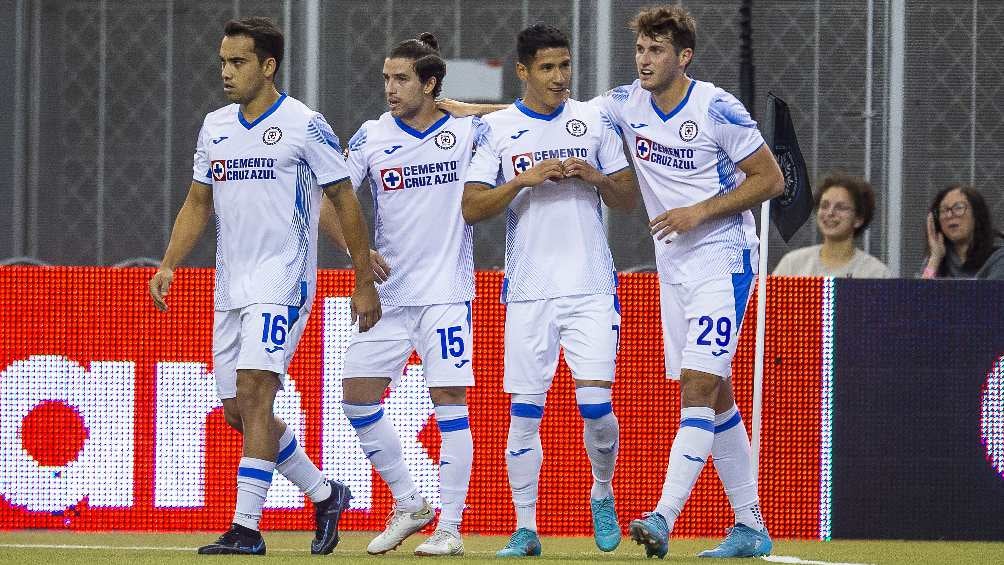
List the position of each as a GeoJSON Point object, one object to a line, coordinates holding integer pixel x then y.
{"type": "Point", "coordinates": [686, 460]}
{"type": "Point", "coordinates": [383, 448]}
{"type": "Point", "coordinates": [524, 456]}
{"type": "Point", "coordinates": [293, 463]}
{"type": "Point", "coordinates": [456, 454]}
{"type": "Point", "coordinates": [601, 434]}
{"type": "Point", "coordinates": [254, 476]}
{"type": "Point", "coordinates": [731, 453]}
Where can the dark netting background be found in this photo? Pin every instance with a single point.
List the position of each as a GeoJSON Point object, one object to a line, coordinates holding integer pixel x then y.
{"type": "Point", "coordinates": [103, 101]}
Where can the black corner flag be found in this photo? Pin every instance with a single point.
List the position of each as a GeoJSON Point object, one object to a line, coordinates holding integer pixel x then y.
{"type": "Point", "coordinates": [792, 208]}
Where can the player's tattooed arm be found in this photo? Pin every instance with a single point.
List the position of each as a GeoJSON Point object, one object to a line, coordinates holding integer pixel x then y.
{"type": "Point", "coordinates": [188, 227]}
{"type": "Point", "coordinates": [763, 182]}
{"type": "Point", "coordinates": [330, 227]}
{"type": "Point", "coordinates": [618, 190]}
{"type": "Point", "coordinates": [365, 301]}
{"type": "Point", "coordinates": [481, 201]}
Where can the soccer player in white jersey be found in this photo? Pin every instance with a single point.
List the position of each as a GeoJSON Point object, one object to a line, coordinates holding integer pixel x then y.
{"type": "Point", "coordinates": [415, 157]}
{"type": "Point", "coordinates": [261, 165]}
{"type": "Point", "coordinates": [549, 163]}
{"type": "Point", "coordinates": [701, 165]}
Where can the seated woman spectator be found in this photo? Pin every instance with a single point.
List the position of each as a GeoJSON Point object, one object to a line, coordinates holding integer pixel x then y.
{"type": "Point", "coordinates": [844, 208]}
{"type": "Point", "coordinates": [962, 242]}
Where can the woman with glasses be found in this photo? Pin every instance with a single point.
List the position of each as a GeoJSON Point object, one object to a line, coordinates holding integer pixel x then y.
{"type": "Point", "coordinates": [844, 208]}
{"type": "Point", "coordinates": [962, 241]}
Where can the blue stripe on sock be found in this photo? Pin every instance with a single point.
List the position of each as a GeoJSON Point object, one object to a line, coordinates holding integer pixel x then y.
{"type": "Point", "coordinates": [730, 423]}
{"type": "Point", "coordinates": [286, 452]}
{"type": "Point", "coordinates": [527, 410]}
{"type": "Point", "coordinates": [454, 425]}
{"type": "Point", "coordinates": [594, 411]}
{"type": "Point", "coordinates": [706, 425]}
{"type": "Point", "coordinates": [257, 474]}
{"type": "Point", "coordinates": [364, 421]}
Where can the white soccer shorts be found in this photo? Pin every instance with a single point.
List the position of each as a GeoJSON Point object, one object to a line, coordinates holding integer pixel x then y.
{"type": "Point", "coordinates": [440, 333]}
{"type": "Point", "coordinates": [701, 322]}
{"type": "Point", "coordinates": [259, 336]}
{"type": "Point", "coordinates": [587, 327]}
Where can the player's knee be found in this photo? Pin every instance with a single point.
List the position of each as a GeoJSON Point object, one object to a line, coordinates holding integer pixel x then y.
{"type": "Point", "coordinates": [447, 395]}
{"type": "Point", "coordinates": [363, 390]}
{"type": "Point", "coordinates": [699, 389]}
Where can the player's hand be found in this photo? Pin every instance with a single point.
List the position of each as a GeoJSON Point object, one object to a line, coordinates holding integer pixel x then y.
{"type": "Point", "coordinates": [935, 239]}
{"type": "Point", "coordinates": [159, 286]}
{"type": "Point", "coordinates": [671, 223]}
{"type": "Point", "coordinates": [578, 168]}
{"type": "Point", "coordinates": [380, 268]}
{"type": "Point", "coordinates": [549, 169]}
{"type": "Point", "coordinates": [365, 306]}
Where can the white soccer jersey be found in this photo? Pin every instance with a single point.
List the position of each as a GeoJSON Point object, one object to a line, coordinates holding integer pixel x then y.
{"type": "Point", "coordinates": [682, 158]}
{"type": "Point", "coordinates": [555, 241]}
{"type": "Point", "coordinates": [417, 183]}
{"type": "Point", "coordinates": [266, 177]}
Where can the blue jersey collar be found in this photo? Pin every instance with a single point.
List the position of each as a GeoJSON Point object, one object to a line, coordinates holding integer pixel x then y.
{"type": "Point", "coordinates": [674, 111]}
{"type": "Point", "coordinates": [272, 108]}
{"type": "Point", "coordinates": [546, 117]}
{"type": "Point", "coordinates": [421, 134]}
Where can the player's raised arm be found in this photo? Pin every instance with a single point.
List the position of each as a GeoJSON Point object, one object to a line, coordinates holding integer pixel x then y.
{"type": "Point", "coordinates": [188, 227]}
{"type": "Point", "coordinates": [365, 302]}
{"type": "Point", "coordinates": [330, 227]}
{"type": "Point", "coordinates": [462, 109]}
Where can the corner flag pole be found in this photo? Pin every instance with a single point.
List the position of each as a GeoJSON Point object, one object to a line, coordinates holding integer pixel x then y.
{"type": "Point", "coordinates": [761, 331]}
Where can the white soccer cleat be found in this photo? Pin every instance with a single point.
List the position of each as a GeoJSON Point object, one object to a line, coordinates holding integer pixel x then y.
{"type": "Point", "coordinates": [400, 525]}
{"type": "Point", "coordinates": [441, 543]}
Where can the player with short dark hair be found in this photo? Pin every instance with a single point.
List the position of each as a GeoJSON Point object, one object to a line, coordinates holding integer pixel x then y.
{"type": "Point", "coordinates": [549, 164]}
{"type": "Point", "coordinates": [701, 165]}
{"type": "Point", "coordinates": [262, 165]}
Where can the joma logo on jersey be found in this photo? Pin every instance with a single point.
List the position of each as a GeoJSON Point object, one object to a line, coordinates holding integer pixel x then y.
{"type": "Point", "coordinates": [393, 179]}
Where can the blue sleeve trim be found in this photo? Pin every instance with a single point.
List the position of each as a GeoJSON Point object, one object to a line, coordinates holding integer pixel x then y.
{"type": "Point", "coordinates": [527, 410]}
{"type": "Point", "coordinates": [257, 474]}
{"type": "Point", "coordinates": [751, 152]}
{"type": "Point", "coordinates": [202, 182]}
{"type": "Point", "coordinates": [595, 411]}
{"type": "Point", "coordinates": [731, 423]}
{"type": "Point", "coordinates": [706, 425]}
{"type": "Point", "coordinates": [618, 170]}
{"type": "Point", "coordinates": [454, 425]}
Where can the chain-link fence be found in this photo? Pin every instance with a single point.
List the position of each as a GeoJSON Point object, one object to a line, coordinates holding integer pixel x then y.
{"type": "Point", "coordinates": [105, 98]}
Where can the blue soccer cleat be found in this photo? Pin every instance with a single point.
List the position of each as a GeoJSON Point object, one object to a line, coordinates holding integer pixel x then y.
{"type": "Point", "coordinates": [238, 540]}
{"type": "Point", "coordinates": [606, 530]}
{"type": "Point", "coordinates": [741, 541]}
{"type": "Point", "coordinates": [522, 543]}
{"type": "Point", "coordinates": [651, 531]}
{"type": "Point", "coordinates": [327, 514]}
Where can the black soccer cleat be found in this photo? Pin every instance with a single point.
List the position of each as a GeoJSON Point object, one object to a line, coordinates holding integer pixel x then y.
{"type": "Point", "coordinates": [238, 540]}
{"type": "Point", "coordinates": [328, 513]}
